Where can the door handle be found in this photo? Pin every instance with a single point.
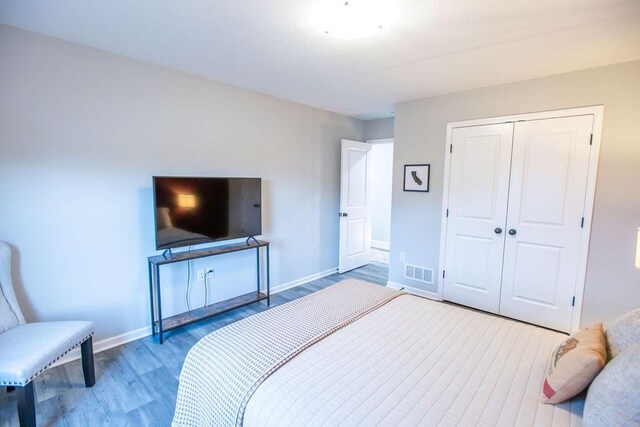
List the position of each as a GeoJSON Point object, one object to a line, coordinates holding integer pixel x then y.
{"type": "Point", "coordinates": [341, 214]}
{"type": "Point", "coordinates": [512, 232]}
{"type": "Point", "coordinates": [498, 230]}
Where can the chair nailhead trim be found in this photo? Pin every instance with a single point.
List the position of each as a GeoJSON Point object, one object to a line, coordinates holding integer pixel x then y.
{"type": "Point", "coordinates": [23, 383]}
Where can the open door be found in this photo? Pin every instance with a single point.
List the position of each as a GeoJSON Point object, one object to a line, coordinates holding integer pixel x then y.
{"type": "Point", "coordinates": [355, 217]}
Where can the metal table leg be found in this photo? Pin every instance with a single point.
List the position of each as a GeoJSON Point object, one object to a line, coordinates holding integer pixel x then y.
{"type": "Point", "coordinates": [153, 311]}
{"type": "Point", "coordinates": [268, 280]}
{"type": "Point", "coordinates": [159, 299]}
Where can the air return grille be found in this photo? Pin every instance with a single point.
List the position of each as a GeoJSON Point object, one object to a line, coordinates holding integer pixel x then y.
{"type": "Point", "coordinates": [421, 274]}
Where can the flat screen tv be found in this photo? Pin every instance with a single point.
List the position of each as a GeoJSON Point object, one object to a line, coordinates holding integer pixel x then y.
{"type": "Point", "coordinates": [191, 211]}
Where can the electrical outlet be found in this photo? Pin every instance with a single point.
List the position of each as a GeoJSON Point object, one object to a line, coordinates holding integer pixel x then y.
{"type": "Point", "coordinates": [402, 257]}
{"type": "Point", "coordinates": [201, 273]}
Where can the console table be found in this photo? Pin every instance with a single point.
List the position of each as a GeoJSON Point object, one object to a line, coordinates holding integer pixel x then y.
{"type": "Point", "coordinates": [161, 325]}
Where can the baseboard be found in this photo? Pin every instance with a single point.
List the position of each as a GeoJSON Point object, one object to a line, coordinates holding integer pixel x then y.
{"type": "Point", "coordinates": [379, 244]}
{"type": "Point", "coordinates": [414, 291]}
{"type": "Point", "coordinates": [302, 281]}
{"type": "Point", "coordinates": [143, 332]}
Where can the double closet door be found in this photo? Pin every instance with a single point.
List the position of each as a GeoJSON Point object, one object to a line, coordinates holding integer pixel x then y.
{"type": "Point", "coordinates": [515, 217]}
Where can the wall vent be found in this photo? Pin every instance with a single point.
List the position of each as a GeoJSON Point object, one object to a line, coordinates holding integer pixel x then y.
{"type": "Point", "coordinates": [421, 274]}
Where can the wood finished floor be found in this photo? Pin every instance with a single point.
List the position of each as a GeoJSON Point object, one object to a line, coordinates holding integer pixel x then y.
{"type": "Point", "coordinates": [136, 383]}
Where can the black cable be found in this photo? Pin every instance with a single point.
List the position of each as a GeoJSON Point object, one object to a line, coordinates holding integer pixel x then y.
{"type": "Point", "coordinates": [206, 288]}
{"type": "Point", "coordinates": [186, 294]}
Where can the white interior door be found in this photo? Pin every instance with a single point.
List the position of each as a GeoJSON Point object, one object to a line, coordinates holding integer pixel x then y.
{"type": "Point", "coordinates": [545, 215]}
{"type": "Point", "coordinates": [478, 189]}
{"type": "Point", "coordinates": [355, 215]}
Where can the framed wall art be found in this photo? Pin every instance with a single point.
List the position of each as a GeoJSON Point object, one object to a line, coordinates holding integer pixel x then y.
{"type": "Point", "coordinates": [416, 178]}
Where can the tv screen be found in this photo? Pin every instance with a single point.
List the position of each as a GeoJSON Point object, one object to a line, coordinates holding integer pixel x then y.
{"type": "Point", "coordinates": [191, 211]}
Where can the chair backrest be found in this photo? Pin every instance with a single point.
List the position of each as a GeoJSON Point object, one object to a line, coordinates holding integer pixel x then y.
{"type": "Point", "coordinates": [10, 314]}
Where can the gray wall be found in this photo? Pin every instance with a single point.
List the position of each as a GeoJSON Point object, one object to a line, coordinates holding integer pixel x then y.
{"type": "Point", "coordinates": [81, 134]}
{"type": "Point", "coordinates": [613, 283]}
{"type": "Point", "coordinates": [378, 129]}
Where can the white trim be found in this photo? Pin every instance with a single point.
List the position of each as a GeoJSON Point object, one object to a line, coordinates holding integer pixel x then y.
{"type": "Point", "coordinates": [598, 114]}
{"type": "Point", "coordinates": [445, 206]}
{"type": "Point", "coordinates": [380, 141]}
{"type": "Point", "coordinates": [412, 290]}
{"type": "Point", "coordinates": [540, 115]}
{"type": "Point", "coordinates": [379, 244]}
{"type": "Point", "coordinates": [302, 281]}
{"type": "Point", "coordinates": [145, 331]}
{"type": "Point", "coordinates": [106, 344]}
{"type": "Point", "coordinates": [589, 201]}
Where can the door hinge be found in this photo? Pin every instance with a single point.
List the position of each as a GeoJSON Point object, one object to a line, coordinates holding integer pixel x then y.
{"type": "Point", "coordinates": [447, 213]}
{"type": "Point", "coordinates": [573, 302]}
{"type": "Point", "coordinates": [443, 273]}
{"type": "Point", "coordinates": [582, 223]}
{"type": "Point", "coordinates": [591, 140]}
{"type": "Point", "coordinates": [451, 148]}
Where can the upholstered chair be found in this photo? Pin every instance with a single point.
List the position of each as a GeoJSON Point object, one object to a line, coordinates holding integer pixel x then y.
{"type": "Point", "coordinates": [27, 349]}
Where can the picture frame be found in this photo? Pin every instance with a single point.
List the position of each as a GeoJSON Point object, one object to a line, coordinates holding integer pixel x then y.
{"type": "Point", "coordinates": [416, 178]}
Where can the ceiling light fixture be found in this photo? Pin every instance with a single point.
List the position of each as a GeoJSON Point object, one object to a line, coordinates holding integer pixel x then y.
{"type": "Point", "coordinates": [352, 19]}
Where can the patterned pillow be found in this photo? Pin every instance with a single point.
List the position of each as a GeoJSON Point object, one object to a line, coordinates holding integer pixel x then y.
{"type": "Point", "coordinates": [614, 396]}
{"type": "Point", "coordinates": [623, 332]}
{"type": "Point", "coordinates": [574, 364]}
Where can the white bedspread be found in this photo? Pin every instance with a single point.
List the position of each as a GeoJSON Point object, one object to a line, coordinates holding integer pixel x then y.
{"type": "Point", "coordinates": [223, 369]}
{"type": "Point", "coordinates": [417, 362]}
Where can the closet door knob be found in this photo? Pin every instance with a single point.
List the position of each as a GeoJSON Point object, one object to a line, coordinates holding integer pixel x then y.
{"type": "Point", "coordinates": [498, 230]}
{"type": "Point", "coordinates": [512, 232]}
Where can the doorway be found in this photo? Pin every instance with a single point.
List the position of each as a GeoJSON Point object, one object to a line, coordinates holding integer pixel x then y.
{"type": "Point", "coordinates": [365, 199]}
{"type": "Point", "coordinates": [380, 173]}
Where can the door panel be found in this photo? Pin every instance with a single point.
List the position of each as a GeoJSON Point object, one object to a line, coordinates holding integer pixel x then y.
{"type": "Point", "coordinates": [355, 236]}
{"type": "Point", "coordinates": [545, 166]}
{"type": "Point", "coordinates": [546, 204]}
{"type": "Point", "coordinates": [478, 188]}
{"type": "Point", "coordinates": [357, 186]}
{"type": "Point", "coordinates": [472, 257]}
{"type": "Point", "coordinates": [355, 217]}
{"type": "Point", "coordinates": [529, 275]}
{"type": "Point", "coordinates": [480, 158]}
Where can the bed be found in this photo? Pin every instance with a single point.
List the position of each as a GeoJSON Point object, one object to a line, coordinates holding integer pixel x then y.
{"type": "Point", "coordinates": [361, 354]}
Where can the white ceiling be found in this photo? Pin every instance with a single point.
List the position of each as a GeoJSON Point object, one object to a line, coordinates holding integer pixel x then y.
{"type": "Point", "coordinates": [272, 46]}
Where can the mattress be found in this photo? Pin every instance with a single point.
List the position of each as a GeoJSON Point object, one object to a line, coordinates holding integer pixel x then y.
{"type": "Point", "coordinates": [417, 362]}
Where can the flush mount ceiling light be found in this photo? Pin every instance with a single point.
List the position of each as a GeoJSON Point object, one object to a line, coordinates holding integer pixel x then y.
{"type": "Point", "coordinates": [352, 19]}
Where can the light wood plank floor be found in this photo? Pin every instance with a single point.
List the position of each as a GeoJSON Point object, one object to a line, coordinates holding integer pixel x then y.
{"type": "Point", "coordinates": [137, 382]}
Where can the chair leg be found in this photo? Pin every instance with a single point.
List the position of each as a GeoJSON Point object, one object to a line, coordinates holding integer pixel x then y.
{"type": "Point", "coordinates": [26, 405]}
{"type": "Point", "coordinates": [86, 348]}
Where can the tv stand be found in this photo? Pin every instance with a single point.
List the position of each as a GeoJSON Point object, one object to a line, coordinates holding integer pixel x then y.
{"type": "Point", "coordinates": [167, 253]}
{"type": "Point", "coordinates": [160, 325]}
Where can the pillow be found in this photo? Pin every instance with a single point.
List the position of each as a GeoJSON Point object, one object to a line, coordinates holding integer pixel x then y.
{"type": "Point", "coordinates": [623, 332]}
{"type": "Point", "coordinates": [163, 218]}
{"type": "Point", "coordinates": [574, 364]}
{"type": "Point", "coordinates": [614, 396]}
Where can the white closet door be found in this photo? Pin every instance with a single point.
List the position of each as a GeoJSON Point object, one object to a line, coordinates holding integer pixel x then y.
{"type": "Point", "coordinates": [546, 204]}
{"type": "Point", "coordinates": [478, 188]}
